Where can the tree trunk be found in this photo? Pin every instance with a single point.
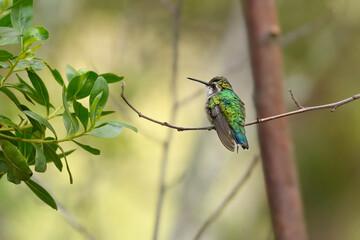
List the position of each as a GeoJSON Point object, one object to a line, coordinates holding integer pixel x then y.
{"type": "Point", "coordinates": [275, 143]}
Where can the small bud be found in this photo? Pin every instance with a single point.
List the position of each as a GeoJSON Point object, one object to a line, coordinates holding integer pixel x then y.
{"type": "Point", "coordinates": [274, 31]}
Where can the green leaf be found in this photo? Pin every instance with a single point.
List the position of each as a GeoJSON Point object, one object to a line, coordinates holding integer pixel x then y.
{"type": "Point", "coordinates": [38, 129]}
{"type": "Point", "coordinates": [11, 178]}
{"type": "Point", "coordinates": [22, 15]}
{"type": "Point", "coordinates": [40, 160]}
{"type": "Point", "coordinates": [26, 96]}
{"type": "Point", "coordinates": [3, 166]}
{"type": "Point", "coordinates": [82, 113]}
{"type": "Point", "coordinates": [70, 72]}
{"type": "Point", "coordinates": [5, 21]}
{"type": "Point", "coordinates": [36, 47]}
{"type": "Point", "coordinates": [41, 193]}
{"type": "Point", "coordinates": [25, 148]}
{"type": "Point", "coordinates": [5, 55]}
{"type": "Point", "coordinates": [28, 55]}
{"type": "Point", "coordinates": [75, 85]}
{"type": "Point", "coordinates": [4, 65]}
{"type": "Point", "coordinates": [8, 36]}
{"type": "Point", "coordinates": [109, 129]}
{"type": "Point", "coordinates": [104, 113]}
{"type": "Point", "coordinates": [70, 121]}
{"type": "Point", "coordinates": [94, 108]}
{"type": "Point", "coordinates": [11, 95]}
{"type": "Point", "coordinates": [3, 4]}
{"type": "Point", "coordinates": [41, 120]}
{"type": "Point", "coordinates": [106, 131]}
{"type": "Point", "coordinates": [16, 162]}
{"type": "Point", "coordinates": [9, 123]}
{"type": "Point", "coordinates": [67, 153]}
{"type": "Point", "coordinates": [67, 164]}
{"type": "Point", "coordinates": [87, 86]}
{"type": "Point", "coordinates": [70, 130]}
{"type": "Point", "coordinates": [33, 64]}
{"type": "Point", "coordinates": [88, 148]}
{"type": "Point", "coordinates": [117, 123]}
{"type": "Point", "coordinates": [26, 89]}
{"type": "Point", "coordinates": [111, 77]}
{"type": "Point", "coordinates": [35, 34]}
{"type": "Point", "coordinates": [40, 88]}
{"type": "Point", "coordinates": [100, 86]}
{"type": "Point", "coordinates": [51, 156]}
{"type": "Point", "coordinates": [13, 142]}
{"type": "Point", "coordinates": [56, 74]}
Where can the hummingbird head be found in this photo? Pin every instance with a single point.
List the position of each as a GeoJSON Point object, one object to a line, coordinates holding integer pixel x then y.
{"type": "Point", "coordinates": [220, 83]}
{"type": "Point", "coordinates": [215, 85]}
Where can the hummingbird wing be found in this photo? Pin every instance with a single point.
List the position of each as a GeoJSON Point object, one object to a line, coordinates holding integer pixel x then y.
{"type": "Point", "coordinates": [222, 127]}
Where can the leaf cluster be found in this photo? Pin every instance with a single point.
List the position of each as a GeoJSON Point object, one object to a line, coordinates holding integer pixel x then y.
{"type": "Point", "coordinates": [27, 143]}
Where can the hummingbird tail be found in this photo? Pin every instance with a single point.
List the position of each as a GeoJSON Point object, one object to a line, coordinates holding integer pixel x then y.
{"type": "Point", "coordinates": [240, 139]}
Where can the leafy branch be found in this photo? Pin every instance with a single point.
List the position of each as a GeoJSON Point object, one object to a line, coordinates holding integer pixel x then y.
{"type": "Point", "coordinates": [27, 143]}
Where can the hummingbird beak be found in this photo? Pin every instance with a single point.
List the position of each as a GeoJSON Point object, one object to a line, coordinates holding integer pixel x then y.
{"type": "Point", "coordinates": [197, 80]}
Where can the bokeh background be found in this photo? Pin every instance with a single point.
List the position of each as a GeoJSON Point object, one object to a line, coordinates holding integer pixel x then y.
{"type": "Point", "coordinates": [114, 195]}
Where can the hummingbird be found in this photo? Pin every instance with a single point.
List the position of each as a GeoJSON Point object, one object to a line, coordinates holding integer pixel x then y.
{"type": "Point", "coordinates": [226, 112]}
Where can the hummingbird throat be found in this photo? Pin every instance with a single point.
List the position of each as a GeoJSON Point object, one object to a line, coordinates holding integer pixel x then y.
{"type": "Point", "coordinates": [212, 90]}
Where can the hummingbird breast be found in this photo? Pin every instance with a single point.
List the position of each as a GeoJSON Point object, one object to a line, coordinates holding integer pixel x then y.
{"type": "Point", "coordinates": [210, 92]}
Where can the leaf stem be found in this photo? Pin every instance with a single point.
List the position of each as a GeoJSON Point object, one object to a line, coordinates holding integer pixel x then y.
{"type": "Point", "coordinates": [51, 115]}
{"type": "Point", "coordinates": [11, 70]}
{"type": "Point", "coordinates": [3, 8]}
{"type": "Point", "coordinates": [35, 140]}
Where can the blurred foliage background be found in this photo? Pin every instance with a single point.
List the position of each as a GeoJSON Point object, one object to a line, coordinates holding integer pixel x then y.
{"type": "Point", "coordinates": [114, 194]}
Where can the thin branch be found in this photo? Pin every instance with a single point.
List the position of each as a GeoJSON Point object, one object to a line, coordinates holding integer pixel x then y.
{"type": "Point", "coordinates": [70, 218]}
{"type": "Point", "coordinates": [74, 222]}
{"type": "Point", "coordinates": [177, 181]}
{"type": "Point", "coordinates": [305, 29]}
{"type": "Point", "coordinates": [301, 109]}
{"type": "Point", "coordinates": [219, 210]}
{"type": "Point", "coordinates": [294, 99]}
{"type": "Point", "coordinates": [333, 107]}
{"type": "Point", "coordinates": [162, 186]}
{"type": "Point", "coordinates": [156, 121]}
{"type": "Point", "coordinates": [51, 116]}
{"type": "Point", "coordinates": [173, 89]}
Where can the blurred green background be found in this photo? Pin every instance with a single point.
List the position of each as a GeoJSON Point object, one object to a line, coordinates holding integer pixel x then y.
{"type": "Point", "coordinates": [114, 194]}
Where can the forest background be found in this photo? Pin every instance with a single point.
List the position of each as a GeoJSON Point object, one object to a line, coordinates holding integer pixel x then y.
{"type": "Point", "coordinates": [114, 195]}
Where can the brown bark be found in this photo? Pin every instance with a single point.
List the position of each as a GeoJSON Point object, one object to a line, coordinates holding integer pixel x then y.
{"type": "Point", "coordinates": [275, 143]}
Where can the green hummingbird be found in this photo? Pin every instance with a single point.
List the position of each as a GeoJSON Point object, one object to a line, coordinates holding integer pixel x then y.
{"type": "Point", "coordinates": [226, 111]}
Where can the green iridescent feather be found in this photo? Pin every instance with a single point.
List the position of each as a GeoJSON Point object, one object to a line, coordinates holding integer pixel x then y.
{"type": "Point", "coordinates": [233, 110]}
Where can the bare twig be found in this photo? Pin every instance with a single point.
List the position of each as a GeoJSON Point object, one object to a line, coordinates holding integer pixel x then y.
{"type": "Point", "coordinates": [301, 109]}
{"type": "Point", "coordinates": [177, 181]}
{"type": "Point", "coordinates": [305, 29]}
{"type": "Point", "coordinates": [159, 122]}
{"type": "Point", "coordinates": [74, 222]}
{"type": "Point", "coordinates": [173, 88]}
{"type": "Point", "coordinates": [294, 99]}
{"type": "Point", "coordinates": [70, 218]}
{"type": "Point", "coordinates": [333, 107]}
{"type": "Point", "coordinates": [219, 210]}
